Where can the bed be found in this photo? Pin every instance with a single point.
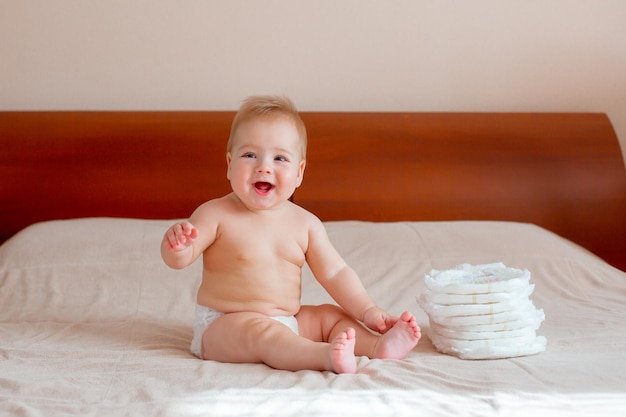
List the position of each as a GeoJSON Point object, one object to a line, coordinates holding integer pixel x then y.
{"type": "Point", "coordinates": [93, 323]}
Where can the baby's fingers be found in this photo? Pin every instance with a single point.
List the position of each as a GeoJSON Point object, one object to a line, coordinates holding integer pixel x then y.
{"type": "Point", "coordinates": [174, 241]}
{"type": "Point", "coordinates": [187, 228]}
{"type": "Point", "coordinates": [181, 235]}
{"type": "Point", "coordinates": [390, 321]}
{"type": "Point", "coordinates": [187, 231]}
{"type": "Point", "coordinates": [380, 324]}
{"type": "Point", "coordinates": [193, 233]}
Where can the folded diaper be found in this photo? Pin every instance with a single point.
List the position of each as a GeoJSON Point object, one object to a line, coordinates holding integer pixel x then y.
{"type": "Point", "coordinates": [490, 349]}
{"type": "Point", "coordinates": [533, 319]}
{"type": "Point", "coordinates": [442, 311]}
{"type": "Point", "coordinates": [527, 311]}
{"type": "Point", "coordinates": [486, 298]}
{"type": "Point", "coordinates": [461, 333]}
{"type": "Point", "coordinates": [478, 279]}
{"type": "Point", "coordinates": [482, 312]}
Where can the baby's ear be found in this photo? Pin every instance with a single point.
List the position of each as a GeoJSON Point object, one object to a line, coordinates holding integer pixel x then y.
{"type": "Point", "coordinates": [229, 158]}
{"type": "Point", "coordinates": [301, 172]}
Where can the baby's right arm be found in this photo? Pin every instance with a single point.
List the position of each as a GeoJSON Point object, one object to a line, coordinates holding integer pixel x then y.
{"type": "Point", "coordinates": [177, 245]}
{"type": "Point", "coordinates": [180, 236]}
{"type": "Point", "coordinates": [186, 240]}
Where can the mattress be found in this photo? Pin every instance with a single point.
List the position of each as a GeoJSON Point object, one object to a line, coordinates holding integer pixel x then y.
{"type": "Point", "coordinates": [93, 323]}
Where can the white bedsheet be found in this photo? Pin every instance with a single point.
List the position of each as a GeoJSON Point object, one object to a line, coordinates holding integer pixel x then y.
{"type": "Point", "coordinates": [93, 323]}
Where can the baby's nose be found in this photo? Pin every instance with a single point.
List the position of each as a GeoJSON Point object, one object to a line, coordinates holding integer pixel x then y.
{"type": "Point", "coordinates": [264, 167]}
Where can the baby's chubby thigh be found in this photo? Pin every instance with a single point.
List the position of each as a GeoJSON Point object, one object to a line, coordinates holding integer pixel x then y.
{"type": "Point", "coordinates": [242, 337]}
{"type": "Point", "coordinates": [323, 322]}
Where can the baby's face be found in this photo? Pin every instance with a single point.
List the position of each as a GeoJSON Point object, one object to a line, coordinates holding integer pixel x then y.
{"type": "Point", "coordinates": [265, 165]}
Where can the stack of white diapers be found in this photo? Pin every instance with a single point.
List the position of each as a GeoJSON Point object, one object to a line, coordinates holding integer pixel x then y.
{"type": "Point", "coordinates": [482, 312]}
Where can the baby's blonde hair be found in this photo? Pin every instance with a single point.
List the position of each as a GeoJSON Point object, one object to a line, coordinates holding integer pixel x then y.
{"type": "Point", "coordinates": [268, 106]}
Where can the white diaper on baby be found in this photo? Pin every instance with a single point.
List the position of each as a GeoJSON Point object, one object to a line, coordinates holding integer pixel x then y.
{"type": "Point", "coordinates": [289, 321]}
{"type": "Point", "coordinates": [482, 312]}
{"type": "Point", "coordinates": [205, 316]}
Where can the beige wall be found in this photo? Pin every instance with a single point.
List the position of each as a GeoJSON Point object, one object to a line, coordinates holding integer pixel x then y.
{"type": "Point", "coordinates": [418, 55]}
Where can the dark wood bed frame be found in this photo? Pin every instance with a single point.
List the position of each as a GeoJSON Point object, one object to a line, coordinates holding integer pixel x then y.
{"type": "Point", "coordinates": [561, 171]}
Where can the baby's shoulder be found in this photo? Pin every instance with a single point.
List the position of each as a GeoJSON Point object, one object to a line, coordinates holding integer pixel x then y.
{"type": "Point", "coordinates": [224, 203]}
{"type": "Point", "coordinates": [211, 212]}
{"type": "Point", "coordinates": [306, 218]}
{"type": "Point", "coordinates": [302, 213]}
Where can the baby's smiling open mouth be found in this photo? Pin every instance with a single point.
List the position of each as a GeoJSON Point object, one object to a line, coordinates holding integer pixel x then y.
{"type": "Point", "coordinates": [263, 187]}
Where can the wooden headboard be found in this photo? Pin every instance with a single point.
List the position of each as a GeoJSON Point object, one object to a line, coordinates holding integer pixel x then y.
{"type": "Point", "coordinates": [562, 171]}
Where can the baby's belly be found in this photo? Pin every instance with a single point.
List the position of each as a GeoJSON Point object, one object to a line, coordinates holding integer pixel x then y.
{"type": "Point", "coordinates": [269, 300]}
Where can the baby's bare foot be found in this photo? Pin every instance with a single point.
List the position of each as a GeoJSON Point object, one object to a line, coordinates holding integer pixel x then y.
{"type": "Point", "coordinates": [342, 352]}
{"type": "Point", "coordinates": [399, 340]}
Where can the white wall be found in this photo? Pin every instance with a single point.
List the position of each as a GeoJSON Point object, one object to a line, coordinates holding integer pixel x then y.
{"type": "Point", "coordinates": [417, 55]}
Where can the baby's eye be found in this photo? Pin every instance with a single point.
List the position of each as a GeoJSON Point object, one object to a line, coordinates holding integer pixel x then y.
{"type": "Point", "coordinates": [248, 155]}
{"type": "Point", "coordinates": [280, 158]}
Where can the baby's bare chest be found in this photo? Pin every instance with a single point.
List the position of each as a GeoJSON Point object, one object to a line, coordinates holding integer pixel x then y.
{"type": "Point", "coordinates": [249, 245]}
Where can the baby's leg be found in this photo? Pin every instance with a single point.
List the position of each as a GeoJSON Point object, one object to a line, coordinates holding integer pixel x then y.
{"type": "Point", "coordinates": [322, 323]}
{"type": "Point", "coordinates": [342, 352]}
{"type": "Point", "coordinates": [255, 338]}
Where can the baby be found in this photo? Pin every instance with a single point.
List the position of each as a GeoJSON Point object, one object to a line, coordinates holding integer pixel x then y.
{"type": "Point", "coordinates": [254, 243]}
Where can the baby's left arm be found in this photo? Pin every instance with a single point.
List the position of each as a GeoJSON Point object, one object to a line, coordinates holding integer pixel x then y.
{"type": "Point", "coordinates": [342, 282]}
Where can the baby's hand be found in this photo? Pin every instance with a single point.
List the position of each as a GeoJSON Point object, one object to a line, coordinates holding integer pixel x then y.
{"type": "Point", "coordinates": [378, 319]}
{"type": "Point", "coordinates": [180, 236]}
